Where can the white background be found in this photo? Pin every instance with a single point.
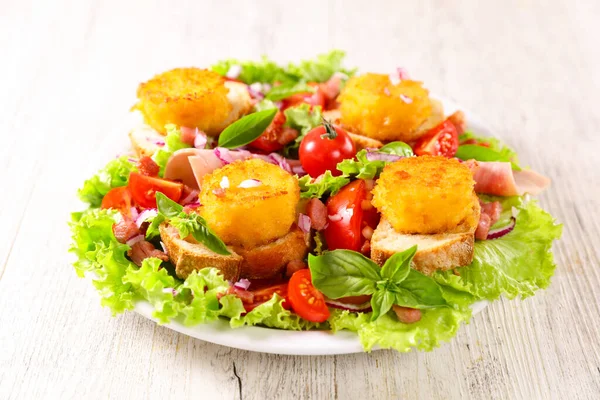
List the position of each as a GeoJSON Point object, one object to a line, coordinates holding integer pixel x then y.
{"type": "Point", "coordinates": [68, 75]}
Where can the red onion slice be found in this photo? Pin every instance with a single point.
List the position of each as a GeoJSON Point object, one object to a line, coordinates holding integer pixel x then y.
{"type": "Point", "coordinates": [234, 71]}
{"type": "Point", "coordinates": [200, 140]}
{"type": "Point", "coordinates": [134, 240]}
{"type": "Point", "coordinates": [224, 155]}
{"type": "Point", "coordinates": [402, 73]}
{"type": "Point", "coordinates": [160, 143]}
{"type": "Point", "coordinates": [379, 156]}
{"type": "Point", "coordinates": [134, 213]}
{"type": "Point", "coordinates": [406, 99]}
{"type": "Point", "coordinates": [281, 161]}
{"type": "Point", "coordinates": [242, 284]}
{"type": "Point", "coordinates": [144, 215]}
{"type": "Point", "coordinates": [364, 307]}
{"type": "Point", "coordinates": [304, 223]}
{"type": "Point", "coordinates": [190, 198]}
{"type": "Point", "coordinates": [498, 233]}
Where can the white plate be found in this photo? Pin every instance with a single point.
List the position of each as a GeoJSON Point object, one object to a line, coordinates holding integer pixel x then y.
{"type": "Point", "coordinates": [275, 341]}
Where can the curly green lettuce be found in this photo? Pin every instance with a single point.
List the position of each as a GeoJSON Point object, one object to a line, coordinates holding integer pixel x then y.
{"type": "Point", "coordinates": [518, 263]}
{"type": "Point", "coordinates": [114, 174]}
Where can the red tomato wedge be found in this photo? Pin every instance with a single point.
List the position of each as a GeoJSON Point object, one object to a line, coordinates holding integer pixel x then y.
{"type": "Point", "coordinates": [143, 189]}
{"type": "Point", "coordinates": [118, 199]}
{"type": "Point", "coordinates": [345, 216]}
{"type": "Point", "coordinates": [262, 295]}
{"type": "Point", "coordinates": [317, 98]}
{"type": "Point", "coordinates": [441, 140]}
{"type": "Point", "coordinates": [305, 299]}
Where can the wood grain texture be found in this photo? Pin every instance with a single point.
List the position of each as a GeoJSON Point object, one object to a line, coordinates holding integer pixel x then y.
{"type": "Point", "coordinates": [68, 75]}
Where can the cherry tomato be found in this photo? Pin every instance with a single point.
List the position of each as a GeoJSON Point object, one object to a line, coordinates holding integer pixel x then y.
{"type": "Point", "coordinates": [305, 299]}
{"type": "Point", "coordinates": [143, 189]}
{"type": "Point", "coordinates": [441, 140]}
{"type": "Point", "coordinates": [317, 98]}
{"type": "Point", "coordinates": [276, 136]}
{"type": "Point", "coordinates": [323, 148]}
{"type": "Point", "coordinates": [118, 199]}
{"type": "Point", "coordinates": [345, 215]}
{"type": "Point", "coordinates": [265, 294]}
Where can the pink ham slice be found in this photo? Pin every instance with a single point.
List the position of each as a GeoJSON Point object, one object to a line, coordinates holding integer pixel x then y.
{"type": "Point", "coordinates": [190, 165]}
{"type": "Point", "coordinates": [498, 178]}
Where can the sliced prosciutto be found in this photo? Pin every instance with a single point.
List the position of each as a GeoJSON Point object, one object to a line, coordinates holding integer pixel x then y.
{"type": "Point", "coordinates": [498, 178]}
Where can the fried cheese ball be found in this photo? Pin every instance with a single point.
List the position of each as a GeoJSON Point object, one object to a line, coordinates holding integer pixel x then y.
{"type": "Point", "coordinates": [427, 195]}
{"type": "Point", "coordinates": [372, 106]}
{"type": "Point", "coordinates": [253, 215]}
{"type": "Point", "coordinates": [192, 97]}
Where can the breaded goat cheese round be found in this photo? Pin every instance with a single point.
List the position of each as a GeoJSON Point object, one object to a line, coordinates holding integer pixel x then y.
{"type": "Point", "coordinates": [192, 97]}
{"type": "Point", "coordinates": [372, 106]}
{"type": "Point", "coordinates": [249, 203]}
{"type": "Point", "coordinates": [427, 195]}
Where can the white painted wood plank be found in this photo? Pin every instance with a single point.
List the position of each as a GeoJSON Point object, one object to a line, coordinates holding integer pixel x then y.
{"type": "Point", "coordinates": [69, 74]}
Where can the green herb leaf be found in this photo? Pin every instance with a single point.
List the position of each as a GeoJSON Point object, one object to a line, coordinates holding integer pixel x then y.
{"type": "Point", "coordinates": [286, 90]}
{"type": "Point", "coordinates": [188, 224]}
{"type": "Point", "coordinates": [327, 184]}
{"type": "Point", "coordinates": [419, 291]}
{"type": "Point", "coordinates": [493, 143]}
{"type": "Point", "coordinates": [264, 71]}
{"type": "Point", "coordinates": [246, 129]}
{"type": "Point", "coordinates": [321, 68]}
{"type": "Point", "coordinates": [397, 148]}
{"type": "Point", "coordinates": [361, 168]}
{"type": "Point", "coordinates": [481, 153]}
{"type": "Point", "coordinates": [397, 267]}
{"type": "Point", "coordinates": [342, 273]}
{"type": "Point", "coordinates": [381, 302]}
{"type": "Point", "coordinates": [166, 206]}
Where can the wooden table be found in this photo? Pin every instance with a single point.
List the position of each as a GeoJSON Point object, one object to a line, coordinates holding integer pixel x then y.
{"type": "Point", "coordinates": [68, 75]}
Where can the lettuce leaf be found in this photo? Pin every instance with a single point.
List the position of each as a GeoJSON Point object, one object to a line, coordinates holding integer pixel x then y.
{"type": "Point", "coordinates": [172, 144]}
{"type": "Point", "coordinates": [272, 314]}
{"type": "Point", "coordinates": [437, 325]}
{"type": "Point", "coordinates": [516, 264]}
{"type": "Point", "coordinates": [114, 174]}
{"type": "Point", "coordinates": [98, 251]}
{"type": "Point", "coordinates": [321, 68]}
{"type": "Point", "coordinates": [303, 118]}
{"type": "Point", "coordinates": [327, 184]}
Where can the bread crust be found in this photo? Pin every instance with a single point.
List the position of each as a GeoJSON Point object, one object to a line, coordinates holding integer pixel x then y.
{"type": "Point", "coordinates": [441, 251]}
{"type": "Point", "coordinates": [271, 259]}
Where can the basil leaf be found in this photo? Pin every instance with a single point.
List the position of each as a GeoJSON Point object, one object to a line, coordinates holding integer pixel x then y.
{"type": "Point", "coordinates": [419, 291]}
{"type": "Point", "coordinates": [397, 148]}
{"type": "Point", "coordinates": [342, 273]}
{"type": "Point", "coordinates": [397, 267]}
{"type": "Point", "coordinates": [381, 302]}
{"type": "Point", "coordinates": [327, 184]}
{"type": "Point", "coordinates": [482, 153]}
{"type": "Point", "coordinates": [209, 238]}
{"type": "Point", "coordinates": [166, 206]}
{"type": "Point", "coordinates": [246, 129]}
{"type": "Point", "coordinates": [288, 89]}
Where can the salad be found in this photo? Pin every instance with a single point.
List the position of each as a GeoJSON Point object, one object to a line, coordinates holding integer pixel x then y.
{"type": "Point", "coordinates": [311, 197]}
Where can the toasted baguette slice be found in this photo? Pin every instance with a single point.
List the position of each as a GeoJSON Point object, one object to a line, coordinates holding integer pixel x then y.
{"type": "Point", "coordinates": [360, 141]}
{"type": "Point", "coordinates": [188, 255]}
{"type": "Point", "coordinates": [144, 139]}
{"type": "Point", "coordinates": [270, 259]}
{"type": "Point", "coordinates": [440, 251]}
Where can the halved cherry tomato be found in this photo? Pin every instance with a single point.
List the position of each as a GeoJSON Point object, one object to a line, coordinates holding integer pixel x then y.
{"type": "Point", "coordinates": [323, 148]}
{"type": "Point", "coordinates": [118, 199]}
{"type": "Point", "coordinates": [305, 299]}
{"type": "Point", "coordinates": [345, 216]}
{"type": "Point", "coordinates": [265, 294]}
{"type": "Point", "coordinates": [275, 136]}
{"type": "Point", "coordinates": [143, 189]}
{"type": "Point", "coordinates": [441, 140]}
